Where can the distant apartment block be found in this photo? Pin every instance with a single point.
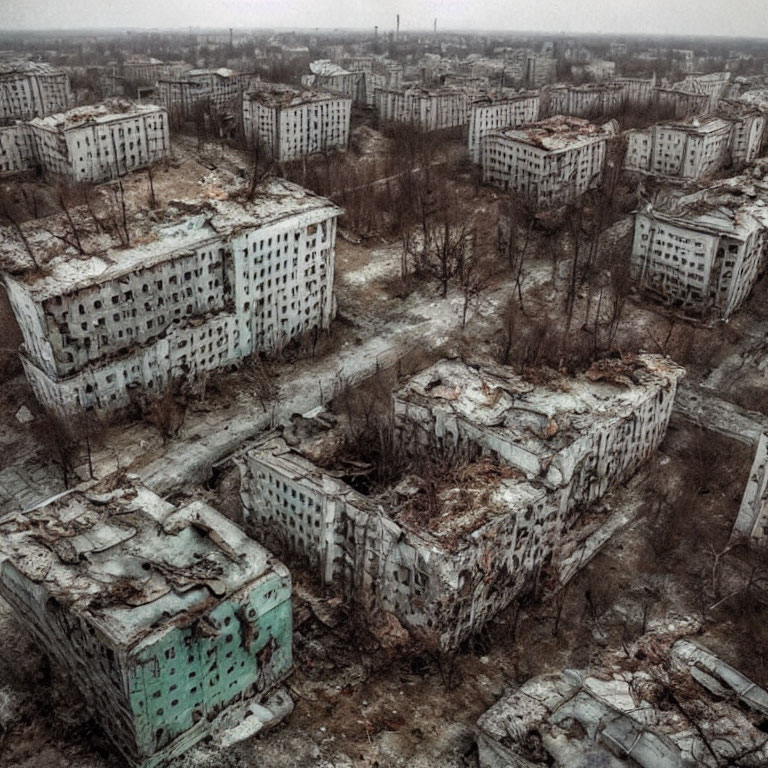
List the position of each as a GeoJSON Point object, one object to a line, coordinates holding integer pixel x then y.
{"type": "Point", "coordinates": [359, 81]}
{"type": "Point", "coordinates": [705, 253]}
{"type": "Point", "coordinates": [679, 103]}
{"type": "Point", "coordinates": [550, 162]}
{"type": "Point", "coordinates": [427, 110]}
{"type": "Point", "coordinates": [591, 100]}
{"type": "Point", "coordinates": [29, 89]}
{"type": "Point", "coordinates": [201, 290]}
{"type": "Point", "coordinates": [636, 91]}
{"type": "Point", "coordinates": [289, 124]}
{"type": "Point", "coordinates": [488, 115]}
{"type": "Point", "coordinates": [212, 90]}
{"type": "Point", "coordinates": [148, 70]}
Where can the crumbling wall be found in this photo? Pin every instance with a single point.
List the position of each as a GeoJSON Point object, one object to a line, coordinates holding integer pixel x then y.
{"type": "Point", "coordinates": [752, 520]}
{"type": "Point", "coordinates": [442, 592]}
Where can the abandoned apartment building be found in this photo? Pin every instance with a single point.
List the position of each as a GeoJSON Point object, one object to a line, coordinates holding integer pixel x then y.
{"type": "Point", "coordinates": [663, 702]}
{"type": "Point", "coordinates": [752, 519]}
{"type": "Point", "coordinates": [704, 252]}
{"type": "Point", "coordinates": [100, 142]}
{"type": "Point", "coordinates": [358, 81]}
{"type": "Point", "coordinates": [212, 91]}
{"type": "Point", "coordinates": [697, 147]}
{"type": "Point", "coordinates": [172, 623]}
{"type": "Point", "coordinates": [426, 109]}
{"type": "Point", "coordinates": [210, 284]}
{"type": "Point", "coordinates": [489, 114]}
{"type": "Point", "coordinates": [31, 89]}
{"type": "Point", "coordinates": [679, 103]}
{"type": "Point", "coordinates": [551, 162]}
{"type": "Point", "coordinates": [532, 456]}
{"type": "Point", "coordinates": [592, 100]}
{"type": "Point", "coordinates": [287, 124]}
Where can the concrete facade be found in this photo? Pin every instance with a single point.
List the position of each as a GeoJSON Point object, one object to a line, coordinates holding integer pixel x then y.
{"type": "Point", "coordinates": [17, 149]}
{"type": "Point", "coordinates": [688, 150]}
{"type": "Point", "coordinates": [550, 162]}
{"type": "Point", "coordinates": [214, 91]}
{"type": "Point", "coordinates": [29, 89]}
{"type": "Point", "coordinates": [290, 124]}
{"type": "Point", "coordinates": [752, 520]}
{"type": "Point", "coordinates": [591, 100]}
{"type": "Point", "coordinates": [445, 578]}
{"type": "Point", "coordinates": [100, 142]}
{"type": "Point", "coordinates": [489, 115]}
{"type": "Point", "coordinates": [427, 110]}
{"type": "Point", "coordinates": [170, 621]}
{"type": "Point", "coordinates": [704, 254]}
{"type": "Point", "coordinates": [208, 288]}
{"type": "Point", "coordinates": [680, 103]}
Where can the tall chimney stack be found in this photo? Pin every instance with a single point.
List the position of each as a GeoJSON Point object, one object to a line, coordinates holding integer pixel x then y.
{"type": "Point", "coordinates": [397, 33]}
{"type": "Point", "coordinates": [435, 26]}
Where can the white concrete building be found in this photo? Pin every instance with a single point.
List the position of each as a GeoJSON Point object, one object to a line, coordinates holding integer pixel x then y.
{"type": "Point", "coordinates": [289, 124]}
{"type": "Point", "coordinates": [100, 142]}
{"type": "Point", "coordinates": [686, 150]}
{"type": "Point", "coordinates": [488, 115]}
{"type": "Point", "coordinates": [705, 253]}
{"type": "Point", "coordinates": [17, 152]}
{"type": "Point", "coordinates": [714, 86]}
{"type": "Point", "coordinates": [592, 100]}
{"type": "Point", "coordinates": [203, 290]}
{"type": "Point", "coordinates": [567, 444]}
{"type": "Point", "coordinates": [30, 89]}
{"type": "Point", "coordinates": [550, 162]}
{"type": "Point", "coordinates": [681, 103]}
{"type": "Point", "coordinates": [213, 91]}
{"type": "Point", "coordinates": [427, 110]}
{"type": "Point", "coordinates": [331, 77]}
{"type": "Point", "coordinates": [636, 92]}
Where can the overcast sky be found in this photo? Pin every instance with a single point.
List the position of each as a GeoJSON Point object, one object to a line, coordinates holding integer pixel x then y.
{"type": "Point", "coordinates": [685, 17]}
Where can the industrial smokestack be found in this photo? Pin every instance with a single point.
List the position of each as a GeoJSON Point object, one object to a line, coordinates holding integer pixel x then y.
{"type": "Point", "coordinates": [435, 26]}
{"type": "Point", "coordinates": [397, 32]}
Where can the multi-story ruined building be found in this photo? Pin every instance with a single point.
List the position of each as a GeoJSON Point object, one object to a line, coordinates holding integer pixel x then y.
{"type": "Point", "coordinates": [550, 162]}
{"type": "Point", "coordinates": [329, 76]}
{"type": "Point", "coordinates": [703, 253]}
{"type": "Point", "coordinates": [89, 144]}
{"type": "Point", "coordinates": [427, 110]}
{"type": "Point", "coordinates": [289, 124]}
{"type": "Point", "coordinates": [17, 152]}
{"type": "Point", "coordinates": [488, 115]}
{"type": "Point", "coordinates": [172, 623]}
{"type": "Point", "coordinates": [714, 86]}
{"type": "Point", "coordinates": [535, 456]}
{"type": "Point", "coordinates": [697, 147]}
{"type": "Point", "coordinates": [213, 91]}
{"type": "Point", "coordinates": [148, 70]}
{"type": "Point", "coordinates": [636, 92]}
{"type": "Point", "coordinates": [597, 69]}
{"type": "Point", "coordinates": [615, 714]}
{"type": "Point", "coordinates": [679, 103]}
{"type": "Point", "coordinates": [29, 89]}
{"type": "Point", "coordinates": [209, 284]}
{"type": "Point", "coordinates": [591, 100]}
{"type": "Point", "coordinates": [102, 141]}
{"type": "Point", "coordinates": [687, 150]}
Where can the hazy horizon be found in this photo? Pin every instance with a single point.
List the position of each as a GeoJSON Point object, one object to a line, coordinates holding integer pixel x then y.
{"type": "Point", "coordinates": [706, 18]}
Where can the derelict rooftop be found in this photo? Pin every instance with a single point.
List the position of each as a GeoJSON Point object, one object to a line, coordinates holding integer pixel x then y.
{"type": "Point", "coordinates": [130, 561]}
{"type": "Point", "coordinates": [164, 234]}
{"type": "Point", "coordinates": [556, 134]}
{"type": "Point", "coordinates": [278, 95]}
{"type": "Point", "coordinates": [114, 109]}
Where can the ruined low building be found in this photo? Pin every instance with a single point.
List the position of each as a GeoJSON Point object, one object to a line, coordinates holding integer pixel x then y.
{"type": "Point", "coordinates": [170, 621]}
{"type": "Point", "coordinates": [703, 253]}
{"type": "Point", "coordinates": [425, 109]}
{"type": "Point", "coordinates": [101, 141]}
{"type": "Point", "coordinates": [492, 114]}
{"type": "Point", "coordinates": [714, 86]}
{"type": "Point", "coordinates": [31, 89]}
{"type": "Point", "coordinates": [551, 162]}
{"type": "Point", "coordinates": [637, 93]}
{"type": "Point", "coordinates": [443, 562]}
{"type": "Point", "coordinates": [665, 703]}
{"type": "Point", "coordinates": [207, 285]}
{"type": "Point", "coordinates": [288, 124]}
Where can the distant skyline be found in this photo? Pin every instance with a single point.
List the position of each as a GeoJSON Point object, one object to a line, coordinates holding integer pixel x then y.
{"type": "Point", "coordinates": [722, 18]}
